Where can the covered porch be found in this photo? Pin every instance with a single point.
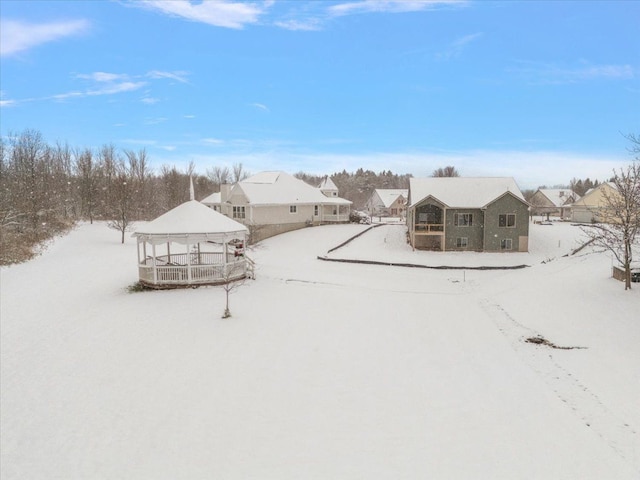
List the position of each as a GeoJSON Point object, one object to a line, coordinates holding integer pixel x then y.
{"type": "Point", "coordinates": [335, 213]}
{"type": "Point", "coordinates": [427, 226]}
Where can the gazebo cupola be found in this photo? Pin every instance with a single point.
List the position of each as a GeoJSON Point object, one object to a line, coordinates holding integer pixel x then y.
{"type": "Point", "coordinates": [192, 245]}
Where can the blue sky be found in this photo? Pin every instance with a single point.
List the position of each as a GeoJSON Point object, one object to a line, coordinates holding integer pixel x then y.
{"type": "Point", "coordinates": [541, 91]}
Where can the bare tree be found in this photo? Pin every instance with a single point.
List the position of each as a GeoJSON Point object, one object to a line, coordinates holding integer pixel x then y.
{"type": "Point", "coordinates": [621, 216]}
{"type": "Point", "coordinates": [239, 173]}
{"type": "Point", "coordinates": [122, 208]}
{"type": "Point", "coordinates": [448, 171]}
{"type": "Point", "coordinates": [231, 283]}
{"type": "Point", "coordinates": [87, 175]}
{"type": "Point", "coordinates": [219, 175]}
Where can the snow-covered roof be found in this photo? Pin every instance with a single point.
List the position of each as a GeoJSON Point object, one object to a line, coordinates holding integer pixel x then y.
{"type": "Point", "coordinates": [327, 184]}
{"type": "Point", "coordinates": [559, 196]}
{"type": "Point", "coordinates": [213, 199]}
{"type": "Point", "coordinates": [390, 195]}
{"type": "Point", "coordinates": [463, 192]}
{"type": "Point", "coordinates": [280, 188]}
{"type": "Point", "coordinates": [192, 219]}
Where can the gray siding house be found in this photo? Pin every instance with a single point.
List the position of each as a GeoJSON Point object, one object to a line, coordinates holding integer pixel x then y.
{"type": "Point", "coordinates": [476, 214]}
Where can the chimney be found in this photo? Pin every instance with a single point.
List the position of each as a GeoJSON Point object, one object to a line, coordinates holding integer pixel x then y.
{"type": "Point", "coordinates": [225, 189]}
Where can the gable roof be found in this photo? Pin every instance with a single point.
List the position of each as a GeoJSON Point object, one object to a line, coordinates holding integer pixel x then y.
{"type": "Point", "coordinates": [191, 218]}
{"type": "Point", "coordinates": [592, 196]}
{"type": "Point", "coordinates": [280, 188]}
{"type": "Point", "coordinates": [389, 195]}
{"type": "Point", "coordinates": [559, 196]}
{"type": "Point", "coordinates": [463, 192]}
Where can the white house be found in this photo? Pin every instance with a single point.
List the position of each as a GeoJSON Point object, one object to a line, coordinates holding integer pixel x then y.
{"type": "Point", "coordinates": [270, 203]}
{"type": "Point", "coordinates": [388, 202]}
{"type": "Point", "coordinates": [553, 201]}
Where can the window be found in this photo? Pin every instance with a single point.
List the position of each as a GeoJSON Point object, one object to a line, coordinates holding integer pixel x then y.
{"type": "Point", "coordinates": [506, 244]}
{"type": "Point", "coordinates": [463, 219]}
{"type": "Point", "coordinates": [293, 209]}
{"type": "Point", "coordinates": [316, 210]}
{"type": "Point", "coordinates": [238, 212]}
{"type": "Point", "coordinates": [462, 242]}
{"type": "Point", "coordinates": [507, 220]}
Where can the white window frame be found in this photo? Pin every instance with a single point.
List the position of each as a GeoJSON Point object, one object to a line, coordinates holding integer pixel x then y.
{"type": "Point", "coordinates": [468, 223]}
{"type": "Point", "coordinates": [239, 211]}
{"type": "Point", "coordinates": [293, 209]}
{"type": "Point", "coordinates": [462, 242]}
{"type": "Point", "coordinates": [507, 216]}
{"type": "Point", "coordinates": [506, 244]}
{"type": "Point", "coordinates": [316, 210]}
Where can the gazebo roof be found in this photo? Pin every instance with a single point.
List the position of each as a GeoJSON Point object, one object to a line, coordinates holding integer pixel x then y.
{"type": "Point", "coordinates": [193, 221]}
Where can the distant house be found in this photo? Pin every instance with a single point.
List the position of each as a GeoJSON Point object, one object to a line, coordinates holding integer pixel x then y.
{"type": "Point", "coordinates": [387, 202]}
{"type": "Point", "coordinates": [553, 201]}
{"type": "Point", "coordinates": [270, 203]}
{"type": "Point", "coordinates": [592, 206]}
{"type": "Point", "coordinates": [462, 213]}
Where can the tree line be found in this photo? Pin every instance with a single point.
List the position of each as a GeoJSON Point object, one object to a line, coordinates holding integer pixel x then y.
{"type": "Point", "coordinates": [45, 189]}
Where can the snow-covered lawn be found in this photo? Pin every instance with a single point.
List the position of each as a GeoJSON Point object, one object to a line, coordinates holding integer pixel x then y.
{"type": "Point", "coordinates": [325, 370]}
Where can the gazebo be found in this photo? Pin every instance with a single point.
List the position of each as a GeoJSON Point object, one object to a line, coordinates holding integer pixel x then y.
{"type": "Point", "coordinates": [192, 245]}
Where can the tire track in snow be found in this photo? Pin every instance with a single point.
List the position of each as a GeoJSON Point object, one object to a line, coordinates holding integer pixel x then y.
{"type": "Point", "coordinates": [618, 434]}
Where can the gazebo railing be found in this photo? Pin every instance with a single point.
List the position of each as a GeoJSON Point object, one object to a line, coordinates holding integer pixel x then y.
{"type": "Point", "coordinates": [169, 274]}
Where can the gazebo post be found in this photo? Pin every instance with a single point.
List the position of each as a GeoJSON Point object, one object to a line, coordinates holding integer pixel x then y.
{"type": "Point", "coordinates": [155, 270]}
{"type": "Point", "coordinates": [144, 251]}
{"type": "Point", "coordinates": [168, 252]}
{"type": "Point", "coordinates": [138, 249]}
{"type": "Point", "coordinates": [189, 262]}
{"type": "Point", "coordinates": [225, 258]}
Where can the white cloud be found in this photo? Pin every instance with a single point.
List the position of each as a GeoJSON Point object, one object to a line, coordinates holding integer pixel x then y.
{"type": "Point", "coordinates": [117, 88]}
{"type": "Point", "coordinates": [16, 36]}
{"type": "Point", "coordinates": [212, 141]}
{"type": "Point", "coordinates": [550, 73]}
{"type": "Point", "coordinates": [178, 76]}
{"type": "Point", "coordinates": [457, 46]}
{"type": "Point", "coordinates": [220, 13]}
{"type": "Point", "coordinates": [155, 121]}
{"type": "Point", "coordinates": [308, 25]}
{"type": "Point", "coordinates": [259, 106]}
{"type": "Point", "coordinates": [389, 6]}
{"type": "Point", "coordinates": [103, 76]}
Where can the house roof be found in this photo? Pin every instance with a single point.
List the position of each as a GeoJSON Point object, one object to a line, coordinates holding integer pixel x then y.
{"type": "Point", "coordinates": [591, 197]}
{"type": "Point", "coordinates": [327, 184]}
{"type": "Point", "coordinates": [390, 195]}
{"type": "Point", "coordinates": [280, 188]}
{"type": "Point", "coordinates": [559, 196]}
{"type": "Point", "coordinates": [192, 220]}
{"type": "Point", "coordinates": [213, 199]}
{"type": "Point", "coordinates": [463, 192]}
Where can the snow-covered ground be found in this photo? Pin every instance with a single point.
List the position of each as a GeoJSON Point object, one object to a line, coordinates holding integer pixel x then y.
{"type": "Point", "coordinates": [325, 370]}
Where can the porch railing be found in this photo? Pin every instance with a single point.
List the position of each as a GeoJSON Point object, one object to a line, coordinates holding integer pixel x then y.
{"type": "Point", "coordinates": [429, 228]}
{"type": "Point", "coordinates": [342, 217]}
